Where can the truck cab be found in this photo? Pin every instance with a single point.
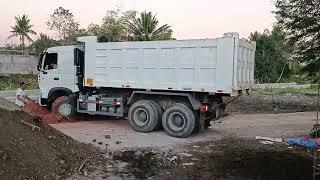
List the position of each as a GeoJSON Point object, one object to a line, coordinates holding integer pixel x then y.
{"type": "Point", "coordinates": [57, 73]}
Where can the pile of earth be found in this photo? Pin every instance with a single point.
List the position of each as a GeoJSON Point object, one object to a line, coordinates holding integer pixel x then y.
{"type": "Point", "coordinates": [45, 114]}
{"type": "Point", "coordinates": [27, 153]}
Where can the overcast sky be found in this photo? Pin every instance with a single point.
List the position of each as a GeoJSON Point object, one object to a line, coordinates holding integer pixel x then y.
{"type": "Point", "coordinates": [189, 19]}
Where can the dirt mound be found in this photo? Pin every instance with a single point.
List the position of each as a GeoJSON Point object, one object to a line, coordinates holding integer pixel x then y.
{"type": "Point", "coordinates": [44, 154]}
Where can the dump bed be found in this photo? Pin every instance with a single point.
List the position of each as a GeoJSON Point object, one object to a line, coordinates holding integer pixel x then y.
{"type": "Point", "coordinates": [222, 65]}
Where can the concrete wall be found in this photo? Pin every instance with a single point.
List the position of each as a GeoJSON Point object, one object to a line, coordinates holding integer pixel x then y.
{"type": "Point", "coordinates": [18, 64]}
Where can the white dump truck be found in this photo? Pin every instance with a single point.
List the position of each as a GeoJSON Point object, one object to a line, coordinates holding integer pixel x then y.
{"type": "Point", "coordinates": [176, 84]}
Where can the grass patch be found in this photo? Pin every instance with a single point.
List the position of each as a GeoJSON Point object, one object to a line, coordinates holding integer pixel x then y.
{"type": "Point", "coordinates": [11, 82]}
{"type": "Point", "coordinates": [309, 90]}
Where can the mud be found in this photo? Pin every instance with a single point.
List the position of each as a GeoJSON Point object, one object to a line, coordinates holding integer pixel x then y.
{"type": "Point", "coordinates": [44, 154]}
{"type": "Point", "coordinates": [236, 159]}
{"type": "Point", "coordinates": [227, 159]}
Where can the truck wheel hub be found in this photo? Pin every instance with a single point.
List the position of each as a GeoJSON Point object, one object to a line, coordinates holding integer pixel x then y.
{"type": "Point", "coordinates": [141, 117]}
{"type": "Point", "coordinates": [65, 109]}
{"type": "Point", "coordinates": [176, 121]}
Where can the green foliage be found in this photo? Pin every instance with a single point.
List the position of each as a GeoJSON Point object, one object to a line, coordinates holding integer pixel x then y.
{"type": "Point", "coordinates": [43, 42]}
{"type": "Point", "coordinates": [63, 23]}
{"type": "Point", "coordinates": [22, 29]}
{"type": "Point", "coordinates": [112, 28]}
{"type": "Point", "coordinates": [301, 20]}
{"type": "Point", "coordinates": [11, 82]}
{"type": "Point", "coordinates": [93, 29]}
{"type": "Point", "coordinates": [146, 28]}
{"type": "Point", "coordinates": [272, 55]}
{"type": "Point", "coordinates": [120, 26]}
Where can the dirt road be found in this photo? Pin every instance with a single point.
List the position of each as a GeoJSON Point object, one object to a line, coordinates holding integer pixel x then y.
{"type": "Point", "coordinates": [118, 135]}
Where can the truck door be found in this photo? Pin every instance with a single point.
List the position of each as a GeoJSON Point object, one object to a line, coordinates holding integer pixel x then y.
{"type": "Point", "coordinates": [49, 76]}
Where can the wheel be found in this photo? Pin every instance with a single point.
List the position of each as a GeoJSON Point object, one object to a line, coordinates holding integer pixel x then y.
{"type": "Point", "coordinates": [63, 106]}
{"type": "Point", "coordinates": [143, 117]}
{"type": "Point", "coordinates": [160, 112]}
{"type": "Point", "coordinates": [179, 121]}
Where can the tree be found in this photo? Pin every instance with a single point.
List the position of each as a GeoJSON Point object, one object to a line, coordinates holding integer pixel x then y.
{"type": "Point", "coordinates": [146, 28]}
{"type": "Point", "coordinates": [93, 29]}
{"type": "Point", "coordinates": [113, 27]}
{"type": "Point", "coordinates": [62, 21]}
{"type": "Point", "coordinates": [22, 29]}
{"type": "Point", "coordinates": [272, 55]}
{"type": "Point", "coordinates": [43, 42]}
{"type": "Point", "coordinates": [301, 21]}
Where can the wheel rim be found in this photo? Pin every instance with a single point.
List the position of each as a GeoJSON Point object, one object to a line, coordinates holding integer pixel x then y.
{"type": "Point", "coordinates": [176, 121]}
{"type": "Point", "coordinates": [65, 109]}
{"type": "Point", "coordinates": [141, 117]}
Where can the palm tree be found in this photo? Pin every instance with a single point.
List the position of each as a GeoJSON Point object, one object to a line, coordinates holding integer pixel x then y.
{"type": "Point", "coordinates": [22, 29]}
{"type": "Point", "coordinates": [145, 28]}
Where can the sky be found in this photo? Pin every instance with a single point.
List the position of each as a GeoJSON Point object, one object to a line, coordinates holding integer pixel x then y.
{"type": "Point", "coordinates": [190, 19]}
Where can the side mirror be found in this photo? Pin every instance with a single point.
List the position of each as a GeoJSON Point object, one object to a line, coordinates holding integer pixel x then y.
{"type": "Point", "coordinates": [39, 67]}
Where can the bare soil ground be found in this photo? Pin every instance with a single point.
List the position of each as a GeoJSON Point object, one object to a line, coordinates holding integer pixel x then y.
{"type": "Point", "coordinates": [225, 151]}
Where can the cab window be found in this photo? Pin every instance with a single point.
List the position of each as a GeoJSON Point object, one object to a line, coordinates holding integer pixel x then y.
{"type": "Point", "coordinates": [51, 61]}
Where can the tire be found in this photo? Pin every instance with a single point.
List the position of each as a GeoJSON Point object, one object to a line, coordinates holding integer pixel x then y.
{"type": "Point", "coordinates": [179, 121]}
{"type": "Point", "coordinates": [63, 106]}
{"type": "Point", "coordinates": [143, 116]}
{"type": "Point", "coordinates": [160, 112]}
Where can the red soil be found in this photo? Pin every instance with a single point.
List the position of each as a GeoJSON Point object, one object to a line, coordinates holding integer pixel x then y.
{"type": "Point", "coordinates": [44, 114]}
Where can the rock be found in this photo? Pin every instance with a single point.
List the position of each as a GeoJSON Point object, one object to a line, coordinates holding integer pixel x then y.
{"type": "Point", "coordinates": [85, 173]}
{"type": "Point", "coordinates": [118, 142]}
{"type": "Point", "coordinates": [173, 158]}
{"type": "Point", "coordinates": [61, 161]}
{"type": "Point", "coordinates": [20, 139]}
{"type": "Point", "coordinates": [188, 164]}
{"type": "Point", "coordinates": [94, 140]}
{"type": "Point", "coordinates": [49, 137]}
{"type": "Point", "coordinates": [100, 143]}
{"type": "Point", "coordinates": [107, 136]}
{"type": "Point", "coordinates": [195, 146]}
{"type": "Point", "coordinates": [5, 156]}
{"type": "Point", "coordinates": [186, 154]}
